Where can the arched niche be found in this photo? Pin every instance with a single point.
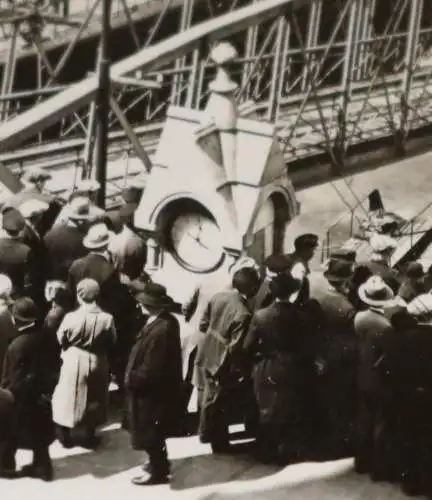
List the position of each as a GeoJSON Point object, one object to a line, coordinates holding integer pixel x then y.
{"type": "Point", "coordinates": [268, 230]}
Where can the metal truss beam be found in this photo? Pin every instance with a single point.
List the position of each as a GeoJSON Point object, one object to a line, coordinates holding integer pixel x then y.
{"type": "Point", "coordinates": [52, 110]}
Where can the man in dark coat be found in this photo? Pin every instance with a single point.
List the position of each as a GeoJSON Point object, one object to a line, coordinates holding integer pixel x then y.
{"type": "Point", "coordinates": [305, 247]}
{"type": "Point", "coordinates": [337, 351]}
{"type": "Point", "coordinates": [372, 327]}
{"type": "Point", "coordinates": [220, 355]}
{"type": "Point", "coordinates": [279, 345]}
{"type": "Point", "coordinates": [26, 374]}
{"type": "Point", "coordinates": [16, 258]}
{"type": "Point", "coordinates": [153, 383]}
{"type": "Point", "coordinates": [8, 331]}
{"type": "Point", "coordinates": [64, 241]}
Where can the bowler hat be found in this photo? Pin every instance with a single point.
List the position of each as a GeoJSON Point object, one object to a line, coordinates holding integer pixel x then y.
{"type": "Point", "coordinates": [25, 310]}
{"type": "Point", "coordinates": [375, 292]}
{"type": "Point", "coordinates": [338, 270]}
{"type": "Point", "coordinates": [306, 241]}
{"type": "Point", "coordinates": [343, 254]}
{"type": "Point", "coordinates": [154, 294]}
{"type": "Point", "coordinates": [79, 208]}
{"type": "Point", "coordinates": [12, 221]}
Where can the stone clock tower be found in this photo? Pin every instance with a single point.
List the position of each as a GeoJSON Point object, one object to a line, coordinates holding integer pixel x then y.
{"type": "Point", "coordinates": [218, 188]}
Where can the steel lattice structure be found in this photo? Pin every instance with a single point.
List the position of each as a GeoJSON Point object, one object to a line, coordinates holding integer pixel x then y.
{"type": "Point", "coordinates": [332, 75]}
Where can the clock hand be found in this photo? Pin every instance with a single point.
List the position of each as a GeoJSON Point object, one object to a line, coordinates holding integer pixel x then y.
{"type": "Point", "coordinates": [197, 239]}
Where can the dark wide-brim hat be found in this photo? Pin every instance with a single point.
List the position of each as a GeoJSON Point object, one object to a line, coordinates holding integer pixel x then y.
{"type": "Point", "coordinates": [338, 270]}
{"type": "Point", "coordinates": [306, 241]}
{"type": "Point", "coordinates": [154, 295]}
{"type": "Point", "coordinates": [25, 310]}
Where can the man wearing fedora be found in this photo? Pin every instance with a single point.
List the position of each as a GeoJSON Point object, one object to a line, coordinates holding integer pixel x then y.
{"type": "Point", "coordinates": [154, 384]}
{"type": "Point", "coordinates": [372, 328]}
{"type": "Point", "coordinates": [336, 353]}
{"type": "Point", "coordinates": [26, 374]}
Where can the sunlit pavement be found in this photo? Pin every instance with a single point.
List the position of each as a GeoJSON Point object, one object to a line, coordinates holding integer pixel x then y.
{"type": "Point", "coordinates": [106, 473]}
{"type": "Point", "coordinates": [80, 474]}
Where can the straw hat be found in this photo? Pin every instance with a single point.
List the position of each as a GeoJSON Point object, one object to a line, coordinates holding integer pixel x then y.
{"type": "Point", "coordinates": [98, 236]}
{"type": "Point", "coordinates": [33, 207]}
{"type": "Point", "coordinates": [375, 292]}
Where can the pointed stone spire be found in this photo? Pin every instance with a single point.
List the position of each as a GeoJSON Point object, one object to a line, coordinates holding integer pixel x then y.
{"type": "Point", "coordinates": [222, 107]}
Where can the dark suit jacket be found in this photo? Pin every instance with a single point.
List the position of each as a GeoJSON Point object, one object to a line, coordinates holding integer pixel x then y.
{"type": "Point", "coordinates": [96, 266]}
{"type": "Point", "coordinates": [63, 244]}
{"type": "Point", "coordinates": [153, 380]}
{"type": "Point", "coordinates": [372, 327]}
{"type": "Point", "coordinates": [18, 262]}
{"type": "Point", "coordinates": [8, 332]}
{"type": "Point", "coordinates": [225, 323]}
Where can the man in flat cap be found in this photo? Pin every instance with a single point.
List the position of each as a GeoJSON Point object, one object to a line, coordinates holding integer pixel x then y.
{"type": "Point", "coordinates": [305, 247]}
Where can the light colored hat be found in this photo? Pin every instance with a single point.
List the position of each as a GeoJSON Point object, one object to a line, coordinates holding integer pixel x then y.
{"type": "Point", "coordinates": [243, 262]}
{"type": "Point", "coordinates": [79, 208]}
{"type": "Point", "coordinates": [87, 186]}
{"type": "Point", "coordinates": [381, 243]}
{"type": "Point", "coordinates": [33, 207]}
{"type": "Point", "coordinates": [88, 290]}
{"type": "Point", "coordinates": [375, 292]}
{"type": "Point", "coordinates": [6, 285]}
{"type": "Point", "coordinates": [35, 174]}
{"type": "Point", "coordinates": [98, 236]}
{"type": "Point", "coordinates": [421, 306]}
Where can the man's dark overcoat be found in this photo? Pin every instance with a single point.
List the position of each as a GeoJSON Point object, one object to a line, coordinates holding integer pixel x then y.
{"type": "Point", "coordinates": [279, 339]}
{"type": "Point", "coordinates": [153, 382]}
{"type": "Point", "coordinates": [64, 245]}
{"type": "Point", "coordinates": [18, 262]}
{"type": "Point", "coordinates": [8, 332]}
{"type": "Point", "coordinates": [26, 373]}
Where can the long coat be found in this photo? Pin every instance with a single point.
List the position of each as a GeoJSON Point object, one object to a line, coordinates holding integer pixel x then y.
{"type": "Point", "coordinates": [81, 395]}
{"type": "Point", "coordinates": [18, 262]}
{"type": "Point", "coordinates": [26, 373]}
{"type": "Point", "coordinates": [8, 332]}
{"type": "Point", "coordinates": [153, 382]}
{"type": "Point", "coordinates": [279, 340]}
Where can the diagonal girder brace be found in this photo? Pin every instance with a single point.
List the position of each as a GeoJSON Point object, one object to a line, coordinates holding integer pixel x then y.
{"type": "Point", "coordinates": [52, 110]}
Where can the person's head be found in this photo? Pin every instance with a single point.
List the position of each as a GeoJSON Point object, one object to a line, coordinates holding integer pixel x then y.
{"type": "Point", "coordinates": [283, 286]}
{"type": "Point", "coordinates": [33, 210]}
{"type": "Point", "coordinates": [36, 178]}
{"type": "Point", "coordinates": [78, 211]}
{"type": "Point", "coordinates": [277, 264]}
{"type": "Point", "coordinates": [154, 299]}
{"type": "Point", "coordinates": [414, 271]}
{"type": "Point", "coordinates": [63, 298]}
{"type": "Point", "coordinates": [338, 272]}
{"type": "Point", "coordinates": [13, 222]}
{"type": "Point", "coordinates": [87, 291]}
{"type": "Point", "coordinates": [246, 281]}
{"type": "Point", "coordinates": [243, 262]}
{"type": "Point", "coordinates": [305, 245]}
{"type": "Point", "coordinates": [375, 293]}
{"type": "Point", "coordinates": [97, 238]}
{"type": "Point", "coordinates": [24, 312]}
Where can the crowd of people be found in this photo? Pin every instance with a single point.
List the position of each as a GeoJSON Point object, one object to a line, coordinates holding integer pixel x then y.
{"type": "Point", "coordinates": [310, 362]}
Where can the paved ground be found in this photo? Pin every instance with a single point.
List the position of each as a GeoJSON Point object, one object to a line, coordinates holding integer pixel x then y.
{"type": "Point", "coordinates": [406, 187]}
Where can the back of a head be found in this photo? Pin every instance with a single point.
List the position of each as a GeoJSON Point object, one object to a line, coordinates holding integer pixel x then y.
{"type": "Point", "coordinates": [283, 286]}
{"type": "Point", "coordinates": [246, 280]}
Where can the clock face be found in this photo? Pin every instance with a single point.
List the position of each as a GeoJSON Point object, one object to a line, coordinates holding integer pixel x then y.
{"type": "Point", "coordinates": [196, 242]}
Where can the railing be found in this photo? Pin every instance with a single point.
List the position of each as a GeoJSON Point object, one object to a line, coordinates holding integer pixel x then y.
{"type": "Point", "coordinates": [408, 228]}
{"type": "Point", "coordinates": [341, 223]}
